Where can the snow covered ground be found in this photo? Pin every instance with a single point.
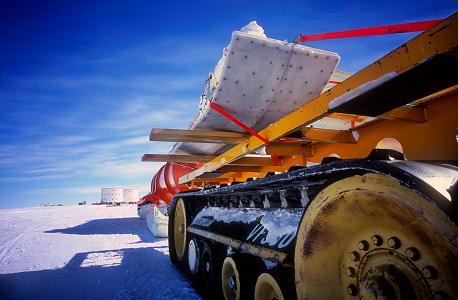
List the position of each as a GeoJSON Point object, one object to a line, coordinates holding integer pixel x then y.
{"type": "Point", "coordinates": [84, 252]}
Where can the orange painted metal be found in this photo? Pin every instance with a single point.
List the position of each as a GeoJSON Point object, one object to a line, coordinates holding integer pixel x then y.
{"type": "Point", "coordinates": [165, 183]}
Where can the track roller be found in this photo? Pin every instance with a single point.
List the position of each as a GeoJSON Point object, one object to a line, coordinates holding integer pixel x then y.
{"type": "Point", "coordinates": [193, 256]}
{"type": "Point", "coordinates": [210, 268]}
{"type": "Point", "coordinates": [230, 280]}
{"type": "Point", "coordinates": [267, 288]}
{"type": "Point", "coordinates": [372, 237]}
{"type": "Point", "coordinates": [238, 276]}
{"type": "Point", "coordinates": [179, 229]}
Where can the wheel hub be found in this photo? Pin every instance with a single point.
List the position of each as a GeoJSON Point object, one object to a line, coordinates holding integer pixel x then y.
{"type": "Point", "coordinates": [232, 283]}
{"type": "Point", "coordinates": [384, 273]}
{"type": "Point", "coordinates": [378, 284]}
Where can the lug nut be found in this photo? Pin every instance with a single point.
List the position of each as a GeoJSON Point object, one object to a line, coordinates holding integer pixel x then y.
{"type": "Point", "coordinates": [351, 290]}
{"type": "Point", "coordinates": [430, 272]}
{"type": "Point", "coordinates": [350, 271]}
{"type": "Point", "coordinates": [376, 240]}
{"type": "Point", "coordinates": [363, 245]}
{"type": "Point", "coordinates": [354, 256]}
{"type": "Point", "coordinates": [394, 242]}
{"type": "Point", "coordinates": [412, 253]}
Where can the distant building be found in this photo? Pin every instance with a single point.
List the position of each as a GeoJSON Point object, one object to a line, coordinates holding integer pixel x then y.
{"type": "Point", "coordinates": [112, 195]}
{"type": "Point", "coordinates": [130, 195]}
{"type": "Point", "coordinates": [118, 195]}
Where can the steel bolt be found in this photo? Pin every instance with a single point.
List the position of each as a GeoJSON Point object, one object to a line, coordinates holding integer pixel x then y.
{"type": "Point", "coordinates": [352, 290]}
{"type": "Point", "coordinates": [430, 272]}
{"type": "Point", "coordinates": [376, 240]}
{"type": "Point", "coordinates": [394, 242]}
{"type": "Point", "coordinates": [363, 245]}
{"type": "Point", "coordinates": [412, 253]}
{"type": "Point", "coordinates": [350, 271]}
{"type": "Point", "coordinates": [354, 256]}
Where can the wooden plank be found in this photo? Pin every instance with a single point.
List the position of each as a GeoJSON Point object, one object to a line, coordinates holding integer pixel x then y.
{"type": "Point", "coordinates": [244, 161]}
{"type": "Point", "coordinates": [197, 136]}
{"type": "Point", "coordinates": [347, 117]}
{"type": "Point", "coordinates": [177, 158]}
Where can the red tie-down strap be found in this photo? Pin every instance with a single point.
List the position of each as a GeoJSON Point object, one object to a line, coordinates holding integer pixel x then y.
{"type": "Point", "coordinates": [380, 30]}
{"type": "Point", "coordinates": [246, 128]}
{"type": "Point", "coordinates": [230, 117]}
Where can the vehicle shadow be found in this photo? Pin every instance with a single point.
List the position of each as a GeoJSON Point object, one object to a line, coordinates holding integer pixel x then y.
{"type": "Point", "coordinates": [111, 226]}
{"type": "Point", "coordinates": [131, 273]}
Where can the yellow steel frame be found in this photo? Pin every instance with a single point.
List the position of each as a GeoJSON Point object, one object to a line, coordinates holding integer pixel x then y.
{"type": "Point", "coordinates": [441, 113]}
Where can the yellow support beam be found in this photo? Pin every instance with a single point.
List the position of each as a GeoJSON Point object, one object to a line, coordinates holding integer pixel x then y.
{"type": "Point", "coordinates": [414, 114]}
{"type": "Point", "coordinates": [440, 39]}
{"type": "Point", "coordinates": [328, 135]}
{"type": "Point", "coordinates": [232, 168]}
{"type": "Point", "coordinates": [288, 149]}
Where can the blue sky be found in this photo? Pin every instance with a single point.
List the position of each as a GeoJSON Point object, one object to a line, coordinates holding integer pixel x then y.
{"type": "Point", "coordinates": [83, 82]}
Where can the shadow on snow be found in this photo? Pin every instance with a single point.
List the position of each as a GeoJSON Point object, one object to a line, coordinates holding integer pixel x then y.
{"type": "Point", "coordinates": [138, 273]}
{"type": "Point", "coordinates": [111, 226]}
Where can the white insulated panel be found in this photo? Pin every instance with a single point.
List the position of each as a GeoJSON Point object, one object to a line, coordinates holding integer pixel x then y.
{"type": "Point", "coordinates": [262, 80]}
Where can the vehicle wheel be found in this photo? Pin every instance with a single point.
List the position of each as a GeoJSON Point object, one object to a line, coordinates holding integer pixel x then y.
{"type": "Point", "coordinates": [230, 280]}
{"type": "Point", "coordinates": [267, 288]}
{"type": "Point", "coordinates": [179, 229]}
{"type": "Point", "coordinates": [239, 274]}
{"type": "Point", "coordinates": [178, 221]}
{"type": "Point", "coordinates": [371, 237]}
{"type": "Point", "coordinates": [193, 256]}
{"type": "Point", "coordinates": [210, 266]}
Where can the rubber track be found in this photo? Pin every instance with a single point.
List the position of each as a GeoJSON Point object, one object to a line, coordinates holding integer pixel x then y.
{"type": "Point", "coordinates": [312, 180]}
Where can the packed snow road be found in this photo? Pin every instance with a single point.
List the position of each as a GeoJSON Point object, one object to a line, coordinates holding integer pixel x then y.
{"type": "Point", "coordinates": [84, 252]}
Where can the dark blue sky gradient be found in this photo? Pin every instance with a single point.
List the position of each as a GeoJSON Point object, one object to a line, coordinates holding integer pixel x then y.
{"type": "Point", "coordinates": [83, 82]}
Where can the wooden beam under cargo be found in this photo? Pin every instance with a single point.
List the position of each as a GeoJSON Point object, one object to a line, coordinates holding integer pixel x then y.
{"type": "Point", "coordinates": [197, 136]}
{"type": "Point", "coordinates": [244, 161]}
{"type": "Point", "coordinates": [177, 158]}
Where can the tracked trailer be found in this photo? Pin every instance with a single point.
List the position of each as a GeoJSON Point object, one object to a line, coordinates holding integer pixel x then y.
{"type": "Point", "coordinates": [304, 182]}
